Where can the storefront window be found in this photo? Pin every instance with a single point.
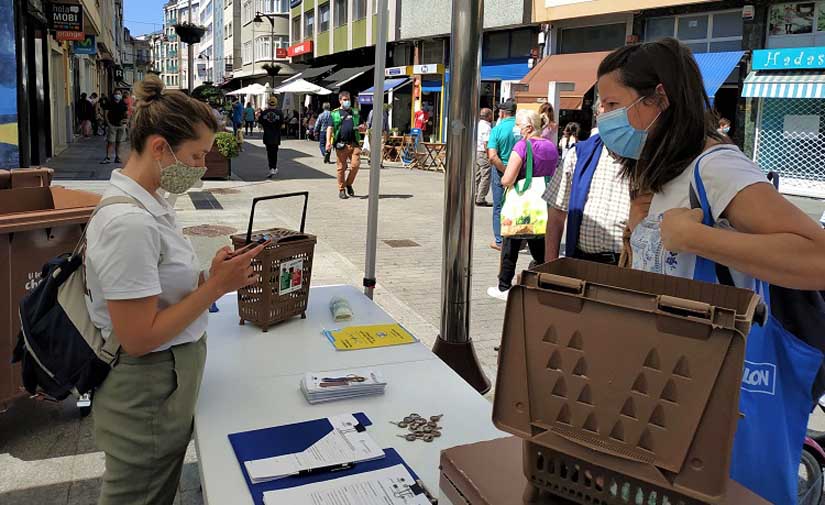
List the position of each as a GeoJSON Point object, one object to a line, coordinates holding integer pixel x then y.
{"type": "Point", "coordinates": [590, 39]}
{"type": "Point", "coordinates": [796, 24]}
{"type": "Point", "coordinates": [702, 33]}
{"type": "Point", "coordinates": [432, 52]}
{"type": "Point", "coordinates": [496, 47]}
{"type": "Point", "coordinates": [510, 44]}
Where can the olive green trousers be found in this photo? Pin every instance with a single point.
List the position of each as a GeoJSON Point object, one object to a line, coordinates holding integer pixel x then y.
{"type": "Point", "coordinates": [143, 419]}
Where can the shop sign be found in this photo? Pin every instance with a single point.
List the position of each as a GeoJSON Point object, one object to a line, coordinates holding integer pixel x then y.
{"type": "Point", "coordinates": [66, 17]}
{"type": "Point", "coordinates": [64, 35]}
{"type": "Point", "coordinates": [304, 47]}
{"type": "Point", "coordinates": [118, 73]}
{"type": "Point", "coordinates": [86, 46]}
{"type": "Point", "coordinates": [428, 69]}
{"type": "Point", "coordinates": [790, 58]}
{"type": "Point", "coordinates": [748, 12]}
{"type": "Point", "coordinates": [397, 71]}
{"type": "Point", "coordinates": [280, 52]}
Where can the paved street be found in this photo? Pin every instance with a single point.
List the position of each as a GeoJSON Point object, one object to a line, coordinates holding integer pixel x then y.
{"type": "Point", "coordinates": [47, 452]}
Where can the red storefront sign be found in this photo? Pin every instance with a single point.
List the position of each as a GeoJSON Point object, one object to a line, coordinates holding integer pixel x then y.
{"type": "Point", "coordinates": [64, 35]}
{"type": "Point", "coordinates": [304, 47]}
{"type": "Point", "coordinates": [281, 53]}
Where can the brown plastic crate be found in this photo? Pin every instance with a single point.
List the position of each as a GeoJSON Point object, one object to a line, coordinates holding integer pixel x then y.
{"type": "Point", "coordinates": [489, 473]}
{"type": "Point", "coordinates": [36, 224]}
{"type": "Point", "coordinates": [632, 374]}
{"type": "Point", "coordinates": [269, 302]}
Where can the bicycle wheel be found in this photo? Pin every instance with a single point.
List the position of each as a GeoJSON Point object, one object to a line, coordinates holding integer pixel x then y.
{"type": "Point", "coordinates": [810, 480]}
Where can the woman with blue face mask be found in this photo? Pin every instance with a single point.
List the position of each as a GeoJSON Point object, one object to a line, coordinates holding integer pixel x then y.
{"type": "Point", "coordinates": [657, 120]}
{"type": "Point", "coordinates": [146, 290]}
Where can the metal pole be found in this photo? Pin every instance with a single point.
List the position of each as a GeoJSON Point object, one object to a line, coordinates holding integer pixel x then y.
{"type": "Point", "coordinates": [190, 49]}
{"type": "Point", "coordinates": [454, 346]}
{"type": "Point", "coordinates": [376, 148]}
{"type": "Point", "coordinates": [272, 49]}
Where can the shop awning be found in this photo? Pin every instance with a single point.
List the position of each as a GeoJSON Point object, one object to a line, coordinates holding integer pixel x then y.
{"type": "Point", "coordinates": [716, 67]}
{"type": "Point", "coordinates": [431, 86]}
{"type": "Point", "coordinates": [579, 69]}
{"type": "Point", "coordinates": [784, 84]}
{"type": "Point", "coordinates": [345, 75]}
{"type": "Point", "coordinates": [365, 97]}
{"type": "Point", "coordinates": [311, 72]}
{"type": "Point", "coordinates": [504, 70]}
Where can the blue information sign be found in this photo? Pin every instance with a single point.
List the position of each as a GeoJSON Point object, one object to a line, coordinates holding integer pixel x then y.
{"type": "Point", "coordinates": [789, 59]}
{"type": "Point", "coordinates": [85, 46]}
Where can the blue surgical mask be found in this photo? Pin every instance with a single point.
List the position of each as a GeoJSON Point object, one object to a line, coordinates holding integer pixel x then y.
{"type": "Point", "coordinates": [619, 136]}
{"type": "Point", "coordinates": [118, 97]}
{"type": "Point", "coordinates": [724, 130]}
{"type": "Point", "coordinates": [346, 104]}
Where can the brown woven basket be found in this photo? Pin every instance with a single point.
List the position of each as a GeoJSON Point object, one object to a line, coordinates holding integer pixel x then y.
{"type": "Point", "coordinates": [284, 268]}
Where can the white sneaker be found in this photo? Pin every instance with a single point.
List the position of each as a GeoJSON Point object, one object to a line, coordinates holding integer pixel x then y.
{"type": "Point", "coordinates": [273, 172]}
{"type": "Point", "coordinates": [497, 293]}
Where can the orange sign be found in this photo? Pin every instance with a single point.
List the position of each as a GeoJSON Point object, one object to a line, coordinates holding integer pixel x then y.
{"type": "Point", "coordinates": [304, 47]}
{"type": "Point", "coordinates": [63, 35]}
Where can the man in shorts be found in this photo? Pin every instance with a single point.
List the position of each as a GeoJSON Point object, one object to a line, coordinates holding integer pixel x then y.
{"type": "Point", "coordinates": [116, 116]}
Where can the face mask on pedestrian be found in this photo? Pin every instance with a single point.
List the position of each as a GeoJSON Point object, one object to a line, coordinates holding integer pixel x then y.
{"type": "Point", "coordinates": [621, 137]}
{"type": "Point", "coordinates": [118, 98]}
{"type": "Point", "coordinates": [724, 130]}
{"type": "Point", "coordinates": [179, 177]}
{"type": "Point", "coordinates": [346, 104]}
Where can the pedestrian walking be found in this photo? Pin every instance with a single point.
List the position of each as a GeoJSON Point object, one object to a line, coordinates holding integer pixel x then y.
{"type": "Point", "coordinates": [237, 116]}
{"type": "Point", "coordinates": [503, 138]}
{"type": "Point", "coordinates": [130, 103]}
{"type": "Point", "coordinates": [84, 112]}
{"type": "Point", "coordinates": [569, 138]}
{"type": "Point", "coordinates": [659, 122]}
{"type": "Point", "coordinates": [323, 122]}
{"type": "Point", "coordinates": [293, 124]}
{"type": "Point", "coordinates": [147, 290]}
{"type": "Point", "coordinates": [249, 118]}
{"type": "Point", "coordinates": [482, 168]}
{"type": "Point", "coordinates": [115, 115]}
{"type": "Point", "coordinates": [589, 193]}
{"type": "Point", "coordinates": [544, 157]}
{"type": "Point", "coordinates": [344, 137]}
{"type": "Point", "coordinates": [549, 126]}
{"type": "Point", "coordinates": [271, 120]}
{"type": "Point", "coordinates": [95, 121]}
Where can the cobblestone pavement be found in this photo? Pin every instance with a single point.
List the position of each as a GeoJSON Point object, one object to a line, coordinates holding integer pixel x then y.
{"type": "Point", "coordinates": [47, 453]}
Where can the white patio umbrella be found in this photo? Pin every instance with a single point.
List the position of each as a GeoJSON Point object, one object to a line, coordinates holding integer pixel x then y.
{"type": "Point", "coordinates": [252, 89]}
{"type": "Point", "coordinates": [302, 87]}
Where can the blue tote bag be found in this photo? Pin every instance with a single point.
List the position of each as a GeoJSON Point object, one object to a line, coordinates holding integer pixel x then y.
{"type": "Point", "coordinates": [778, 381]}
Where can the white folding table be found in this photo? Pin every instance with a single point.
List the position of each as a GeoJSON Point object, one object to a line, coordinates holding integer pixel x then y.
{"type": "Point", "coordinates": [251, 382]}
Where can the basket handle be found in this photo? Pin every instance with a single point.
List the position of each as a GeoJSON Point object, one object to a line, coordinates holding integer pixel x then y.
{"type": "Point", "coordinates": [255, 201]}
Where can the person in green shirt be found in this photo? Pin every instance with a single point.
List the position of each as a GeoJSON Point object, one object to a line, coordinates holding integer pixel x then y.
{"type": "Point", "coordinates": [344, 137]}
{"type": "Point", "coordinates": [503, 138]}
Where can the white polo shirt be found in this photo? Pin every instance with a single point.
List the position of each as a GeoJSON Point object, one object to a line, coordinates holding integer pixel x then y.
{"type": "Point", "coordinates": [135, 253]}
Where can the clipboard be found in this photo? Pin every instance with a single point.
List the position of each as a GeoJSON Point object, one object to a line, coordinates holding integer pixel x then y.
{"type": "Point", "coordinates": [290, 438]}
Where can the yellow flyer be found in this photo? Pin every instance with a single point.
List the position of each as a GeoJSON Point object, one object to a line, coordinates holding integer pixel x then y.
{"type": "Point", "coordinates": [367, 337]}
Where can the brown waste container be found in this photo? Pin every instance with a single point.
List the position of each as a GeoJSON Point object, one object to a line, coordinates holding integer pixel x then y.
{"type": "Point", "coordinates": [36, 224]}
{"type": "Point", "coordinates": [26, 178]}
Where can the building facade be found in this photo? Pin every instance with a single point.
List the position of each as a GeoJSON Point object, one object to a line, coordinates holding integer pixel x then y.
{"type": "Point", "coordinates": [53, 66]}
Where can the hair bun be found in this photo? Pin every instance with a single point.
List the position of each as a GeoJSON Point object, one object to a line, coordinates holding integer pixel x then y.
{"type": "Point", "coordinates": [149, 89]}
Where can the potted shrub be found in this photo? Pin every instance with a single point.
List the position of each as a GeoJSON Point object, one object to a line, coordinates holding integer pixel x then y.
{"type": "Point", "coordinates": [219, 159]}
{"type": "Point", "coordinates": [271, 69]}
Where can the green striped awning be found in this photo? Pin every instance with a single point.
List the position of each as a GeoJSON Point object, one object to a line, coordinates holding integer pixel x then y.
{"type": "Point", "coordinates": [787, 84]}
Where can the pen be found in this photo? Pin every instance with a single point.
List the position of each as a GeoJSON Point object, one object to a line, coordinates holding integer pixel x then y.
{"type": "Point", "coordinates": [330, 468]}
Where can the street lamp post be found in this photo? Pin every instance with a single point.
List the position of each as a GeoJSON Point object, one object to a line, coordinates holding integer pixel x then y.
{"type": "Point", "coordinates": [271, 17]}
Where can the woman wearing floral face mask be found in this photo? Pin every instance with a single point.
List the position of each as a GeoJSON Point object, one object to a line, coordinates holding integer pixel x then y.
{"type": "Point", "coordinates": [657, 119]}
{"type": "Point", "coordinates": [147, 291]}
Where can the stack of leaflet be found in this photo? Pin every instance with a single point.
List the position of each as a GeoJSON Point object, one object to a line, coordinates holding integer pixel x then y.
{"type": "Point", "coordinates": [320, 387]}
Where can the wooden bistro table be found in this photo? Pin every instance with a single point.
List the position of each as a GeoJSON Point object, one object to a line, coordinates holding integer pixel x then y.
{"type": "Point", "coordinates": [392, 148]}
{"type": "Point", "coordinates": [434, 156]}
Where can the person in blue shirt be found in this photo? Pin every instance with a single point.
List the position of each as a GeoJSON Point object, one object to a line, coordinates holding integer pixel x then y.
{"type": "Point", "coordinates": [237, 116]}
{"type": "Point", "coordinates": [249, 117]}
{"type": "Point", "coordinates": [503, 138]}
{"type": "Point", "coordinates": [323, 122]}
